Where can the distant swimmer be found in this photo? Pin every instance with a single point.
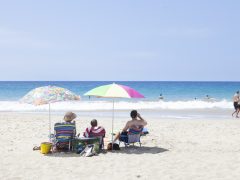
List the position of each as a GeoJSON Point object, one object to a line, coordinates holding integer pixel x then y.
{"type": "Point", "coordinates": [209, 99]}
{"type": "Point", "coordinates": [236, 104]}
{"type": "Point", "coordinates": [161, 97]}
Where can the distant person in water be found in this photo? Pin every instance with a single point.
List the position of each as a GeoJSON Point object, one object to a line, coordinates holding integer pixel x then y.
{"type": "Point", "coordinates": [209, 99]}
{"type": "Point", "coordinates": [236, 101]}
{"type": "Point", "coordinates": [161, 97]}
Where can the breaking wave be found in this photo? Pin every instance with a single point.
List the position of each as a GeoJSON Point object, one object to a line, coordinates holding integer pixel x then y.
{"type": "Point", "coordinates": [120, 105]}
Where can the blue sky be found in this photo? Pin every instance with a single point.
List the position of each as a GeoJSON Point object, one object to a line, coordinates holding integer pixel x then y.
{"type": "Point", "coordinates": [120, 40]}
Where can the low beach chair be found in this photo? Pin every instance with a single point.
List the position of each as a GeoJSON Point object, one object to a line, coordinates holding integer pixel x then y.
{"type": "Point", "coordinates": [98, 132]}
{"type": "Point", "coordinates": [64, 134]}
{"type": "Point", "coordinates": [133, 136]}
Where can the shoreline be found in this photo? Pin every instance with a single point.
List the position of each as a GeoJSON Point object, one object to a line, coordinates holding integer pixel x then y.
{"type": "Point", "coordinates": [191, 114]}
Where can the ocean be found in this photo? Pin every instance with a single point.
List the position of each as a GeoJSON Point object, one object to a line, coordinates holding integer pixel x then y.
{"type": "Point", "coordinates": [176, 95]}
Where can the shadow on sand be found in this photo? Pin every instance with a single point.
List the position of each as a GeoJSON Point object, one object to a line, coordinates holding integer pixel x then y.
{"type": "Point", "coordinates": [124, 150]}
{"type": "Point", "coordinates": [141, 150]}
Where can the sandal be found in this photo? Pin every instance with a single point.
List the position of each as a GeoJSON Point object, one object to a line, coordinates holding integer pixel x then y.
{"type": "Point", "coordinates": [35, 148]}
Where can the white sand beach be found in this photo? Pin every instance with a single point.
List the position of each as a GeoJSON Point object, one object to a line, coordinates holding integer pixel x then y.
{"type": "Point", "coordinates": [174, 149]}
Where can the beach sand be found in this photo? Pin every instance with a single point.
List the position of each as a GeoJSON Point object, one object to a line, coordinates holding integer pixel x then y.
{"type": "Point", "coordinates": [175, 149]}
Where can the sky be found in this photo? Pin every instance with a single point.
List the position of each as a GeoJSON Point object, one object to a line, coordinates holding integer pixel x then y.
{"type": "Point", "coordinates": [141, 40]}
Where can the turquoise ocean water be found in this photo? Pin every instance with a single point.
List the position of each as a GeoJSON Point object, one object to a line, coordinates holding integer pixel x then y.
{"type": "Point", "coordinates": [171, 91]}
{"type": "Point", "coordinates": [177, 95]}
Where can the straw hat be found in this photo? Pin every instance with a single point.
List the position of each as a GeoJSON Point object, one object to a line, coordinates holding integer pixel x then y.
{"type": "Point", "coordinates": [69, 116]}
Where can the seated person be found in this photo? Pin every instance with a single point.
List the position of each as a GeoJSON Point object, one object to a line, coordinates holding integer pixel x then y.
{"type": "Point", "coordinates": [135, 125]}
{"type": "Point", "coordinates": [65, 132]}
{"type": "Point", "coordinates": [95, 131]}
{"type": "Point", "coordinates": [69, 117]}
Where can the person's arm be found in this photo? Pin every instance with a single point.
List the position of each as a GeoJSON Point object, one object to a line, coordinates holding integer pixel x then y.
{"type": "Point", "coordinates": [126, 127]}
{"type": "Point", "coordinates": [140, 117]}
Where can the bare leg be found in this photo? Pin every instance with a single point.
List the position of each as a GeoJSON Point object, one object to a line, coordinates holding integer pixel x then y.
{"type": "Point", "coordinates": [234, 112]}
{"type": "Point", "coordinates": [237, 113]}
{"type": "Point", "coordinates": [117, 137]}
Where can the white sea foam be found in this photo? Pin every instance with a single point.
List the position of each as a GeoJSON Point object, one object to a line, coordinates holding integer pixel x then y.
{"type": "Point", "coordinates": [121, 105]}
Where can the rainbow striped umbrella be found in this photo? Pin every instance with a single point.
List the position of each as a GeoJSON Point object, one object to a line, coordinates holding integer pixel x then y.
{"type": "Point", "coordinates": [114, 91]}
{"type": "Point", "coordinates": [48, 95]}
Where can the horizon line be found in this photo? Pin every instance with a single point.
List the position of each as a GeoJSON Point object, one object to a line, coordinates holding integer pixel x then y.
{"type": "Point", "coordinates": [118, 81]}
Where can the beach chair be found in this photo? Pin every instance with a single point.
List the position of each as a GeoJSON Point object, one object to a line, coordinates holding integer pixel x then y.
{"type": "Point", "coordinates": [64, 133]}
{"type": "Point", "coordinates": [98, 132]}
{"type": "Point", "coordinates": [132, 136]}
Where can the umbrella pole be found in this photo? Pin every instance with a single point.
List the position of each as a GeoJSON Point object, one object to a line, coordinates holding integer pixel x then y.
{"type": "Point", "coordinates": [112, 122]}
{"type": "Point", "coordinates": [49, 117]}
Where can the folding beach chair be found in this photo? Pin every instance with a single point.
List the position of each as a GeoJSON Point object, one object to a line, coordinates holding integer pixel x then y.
{"type": "Point", "coordinates": [64, 134]}
{"type": "Point", "coordinates": [131, 137]}
{"type": "Point", "coordinates": [98, 132]}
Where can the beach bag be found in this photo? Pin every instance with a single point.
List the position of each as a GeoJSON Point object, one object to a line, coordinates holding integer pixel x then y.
{"type": "Point", "coordinates": [79, 148]}
{"type": "Point", "coordinates": [88, 151]}
{"type": "Point", "coordinates": [113, 147]}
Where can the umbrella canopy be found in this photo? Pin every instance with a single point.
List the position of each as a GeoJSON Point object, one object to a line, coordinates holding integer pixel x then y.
{"type": "Point", "coordinates": [48, 94]}
{"type": "Point", "coordinates": [114, 91]}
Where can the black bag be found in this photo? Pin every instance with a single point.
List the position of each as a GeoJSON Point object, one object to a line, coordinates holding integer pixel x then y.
{"type": "Point", "coordinates": [113, 147]}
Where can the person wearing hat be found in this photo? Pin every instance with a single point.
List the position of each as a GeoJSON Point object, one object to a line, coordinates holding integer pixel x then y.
{"type": "Point", "coordinates": [236, 101]}
{"type": "Point", "coordinates": [69, 117]}
{"type": "Point", "coordinates": [65, 132]}
{"type": "Point", "coordinates": [61, 130]}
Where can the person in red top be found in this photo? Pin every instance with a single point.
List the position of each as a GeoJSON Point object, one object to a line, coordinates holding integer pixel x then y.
{"type": "Point", "coordinates": [94, 130]}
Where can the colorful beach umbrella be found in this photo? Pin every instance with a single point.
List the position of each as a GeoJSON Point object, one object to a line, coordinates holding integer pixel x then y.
{"type": "Point", "coordinates": [48, 95]}
{"type": "Point", "coordinates": [114, 91]}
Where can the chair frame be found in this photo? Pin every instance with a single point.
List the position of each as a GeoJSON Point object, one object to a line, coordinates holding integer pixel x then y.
{"type": "Point", "coordinates": [69, 141]}
{"type": "Point", "coordinates": [101, 140]}
{"type": "Point", "coordinates": [132, 139]}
